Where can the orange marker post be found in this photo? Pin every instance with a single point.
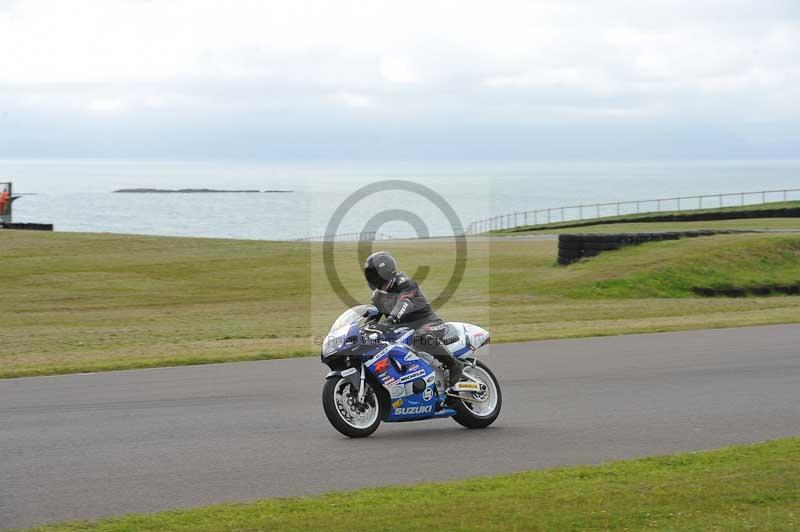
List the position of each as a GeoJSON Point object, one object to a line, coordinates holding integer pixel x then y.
{"type": "Point", "coordinates": [5, 199]}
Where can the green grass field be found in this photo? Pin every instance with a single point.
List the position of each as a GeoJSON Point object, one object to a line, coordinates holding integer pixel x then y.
{"type": "Point", "coordinates": [751, 487]}
{"type": "Point", "coordinates": [646, 221]}
{"type": "Point", "coordinates": [78, 302]}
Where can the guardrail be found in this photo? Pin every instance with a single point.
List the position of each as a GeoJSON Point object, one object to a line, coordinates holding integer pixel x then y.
{"type": "Point", "coordinates": [600, 210]}
{"type": "Point", "coordinates": [344, 237]}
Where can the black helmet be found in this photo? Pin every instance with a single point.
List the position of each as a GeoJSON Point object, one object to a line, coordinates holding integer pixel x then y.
{"type": "Point", "coordinates": [379, 269]}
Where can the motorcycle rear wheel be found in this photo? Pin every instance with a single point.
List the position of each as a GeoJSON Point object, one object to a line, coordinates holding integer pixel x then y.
{"type": "Point", "coordinates": [476, 415]}
{"type": "Point", "coordinates": [340, 402]}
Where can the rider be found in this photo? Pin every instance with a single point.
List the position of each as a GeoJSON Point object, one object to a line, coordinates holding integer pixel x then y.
{"type": "Point", "coordinates": [401, 300]}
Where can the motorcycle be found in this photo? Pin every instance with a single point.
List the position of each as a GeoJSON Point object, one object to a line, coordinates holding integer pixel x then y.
{"type": "Point", "coordinates": [377, 375]}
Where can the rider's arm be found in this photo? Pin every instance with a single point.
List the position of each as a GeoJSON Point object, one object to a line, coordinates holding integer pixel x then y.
{"type": "Point", "coordinates": [377, 304]}
{"type": "Point", "coordinates": [407, 289]}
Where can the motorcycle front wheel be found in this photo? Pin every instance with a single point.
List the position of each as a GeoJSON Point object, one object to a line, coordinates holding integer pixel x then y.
{"type": "Point", "coordinates": [352, 418]}
{"type": "Point", "coordinates": [482, 412]}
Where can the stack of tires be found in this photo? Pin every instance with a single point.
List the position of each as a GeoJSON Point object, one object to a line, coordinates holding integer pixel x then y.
{"type": "Point", "coordinates": [577, 246]}
{"type": "Point", "coordinates": [739, 291]}
{"type": "Point", "coordinates": [570, 248]}
{"type": "Point", "coordinates": [26, 226]}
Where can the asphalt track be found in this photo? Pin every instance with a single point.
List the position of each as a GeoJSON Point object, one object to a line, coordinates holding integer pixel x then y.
{"type": "Point", "coordinates": [84, 446]}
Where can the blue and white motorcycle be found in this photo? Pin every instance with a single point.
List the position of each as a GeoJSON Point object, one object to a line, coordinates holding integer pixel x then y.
{"type": "Point", "coordinates": [377, 375]}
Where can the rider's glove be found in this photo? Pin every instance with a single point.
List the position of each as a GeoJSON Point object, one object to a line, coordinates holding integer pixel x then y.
{"type": "Point", "coordinates": [375, 330]}
{"type": "Point", "coordinates": [386, 326]}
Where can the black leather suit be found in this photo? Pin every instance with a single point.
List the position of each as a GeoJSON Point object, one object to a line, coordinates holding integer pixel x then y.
{"type": "Point", "coordinates": [404, 303]}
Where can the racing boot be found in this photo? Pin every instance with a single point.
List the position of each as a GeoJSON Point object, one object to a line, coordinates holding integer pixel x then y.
{"type": "Point", "coordinates": [454, 366]}
{"type": "Point", "coordinates": [435, 347]}
{"type": "Point", "coordinates": [456, 370]}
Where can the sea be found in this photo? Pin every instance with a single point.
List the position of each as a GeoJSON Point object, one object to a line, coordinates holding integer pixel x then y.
{"type": "Point", "coordinates": [397, 199]}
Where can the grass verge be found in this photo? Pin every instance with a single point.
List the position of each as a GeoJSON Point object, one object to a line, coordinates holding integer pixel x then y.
{"type": "Point", "coordinates": [673, 269]}
{"type": "Point", "coordinates": [747, 487]}
{"type": "Point", "coordinates": [77, 302]}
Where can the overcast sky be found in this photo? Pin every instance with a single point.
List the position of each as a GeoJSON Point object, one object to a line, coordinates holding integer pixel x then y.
{"type": "Point", "coordinates": [399, 79]}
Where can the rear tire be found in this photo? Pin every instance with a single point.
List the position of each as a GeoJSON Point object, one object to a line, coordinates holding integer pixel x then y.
{"type": "Point", "coordinates": [467, 413]}
{"type": "Point", "coordinates": [337, 390]}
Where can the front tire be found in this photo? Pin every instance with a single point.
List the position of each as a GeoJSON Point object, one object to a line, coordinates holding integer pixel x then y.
{"type": "Point", "coordinates": [340, 402]}
{"type": "Point", "coordinates": [475, 415]}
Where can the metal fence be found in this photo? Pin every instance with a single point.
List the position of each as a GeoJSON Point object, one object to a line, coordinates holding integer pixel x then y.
{"type": "Point", "coordinates": [574, 213]}
{"type": "Point", "coordinates": [345, 237]}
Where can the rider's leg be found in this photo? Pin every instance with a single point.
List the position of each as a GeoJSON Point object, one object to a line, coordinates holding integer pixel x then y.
{"type": "Point", "coordinates": [428, 339]}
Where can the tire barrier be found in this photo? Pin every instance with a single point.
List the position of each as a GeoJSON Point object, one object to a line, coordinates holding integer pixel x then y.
{"type": "Point", "coordinates": [758, 290]}
{"type": "Point", "coordinates": [573, 247]}
{"type": "Point", "coordinates": [29, 227]}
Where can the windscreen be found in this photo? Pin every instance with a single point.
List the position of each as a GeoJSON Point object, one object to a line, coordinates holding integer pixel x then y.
{"type": "Point", "coordinates": [349, 316]}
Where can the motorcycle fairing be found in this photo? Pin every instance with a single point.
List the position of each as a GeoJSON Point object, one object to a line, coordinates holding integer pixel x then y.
{"type": "Point", "coordinates": [461, 338]}
{"type": "Point", "coordinates": [396, 368]}
{"type": "Point", "coordinates": [338, 340]}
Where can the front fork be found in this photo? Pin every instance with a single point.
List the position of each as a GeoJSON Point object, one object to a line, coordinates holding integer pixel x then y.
{"type": "Point", "coordinates": [362, 389]}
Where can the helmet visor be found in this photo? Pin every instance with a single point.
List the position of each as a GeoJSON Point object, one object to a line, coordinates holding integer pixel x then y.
{"type": "Point", "coordinates": [374, 279]}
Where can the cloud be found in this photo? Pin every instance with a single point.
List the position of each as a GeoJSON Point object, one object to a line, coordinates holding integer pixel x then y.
{"type": "Point", "coordinates": [105, 105]}
{"type": "Point", "coordinates": [356, 101]}
{"type": "Point", "coordinates": [398, 68]}
{"type": "Point", "coordinates": [507, 63]}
